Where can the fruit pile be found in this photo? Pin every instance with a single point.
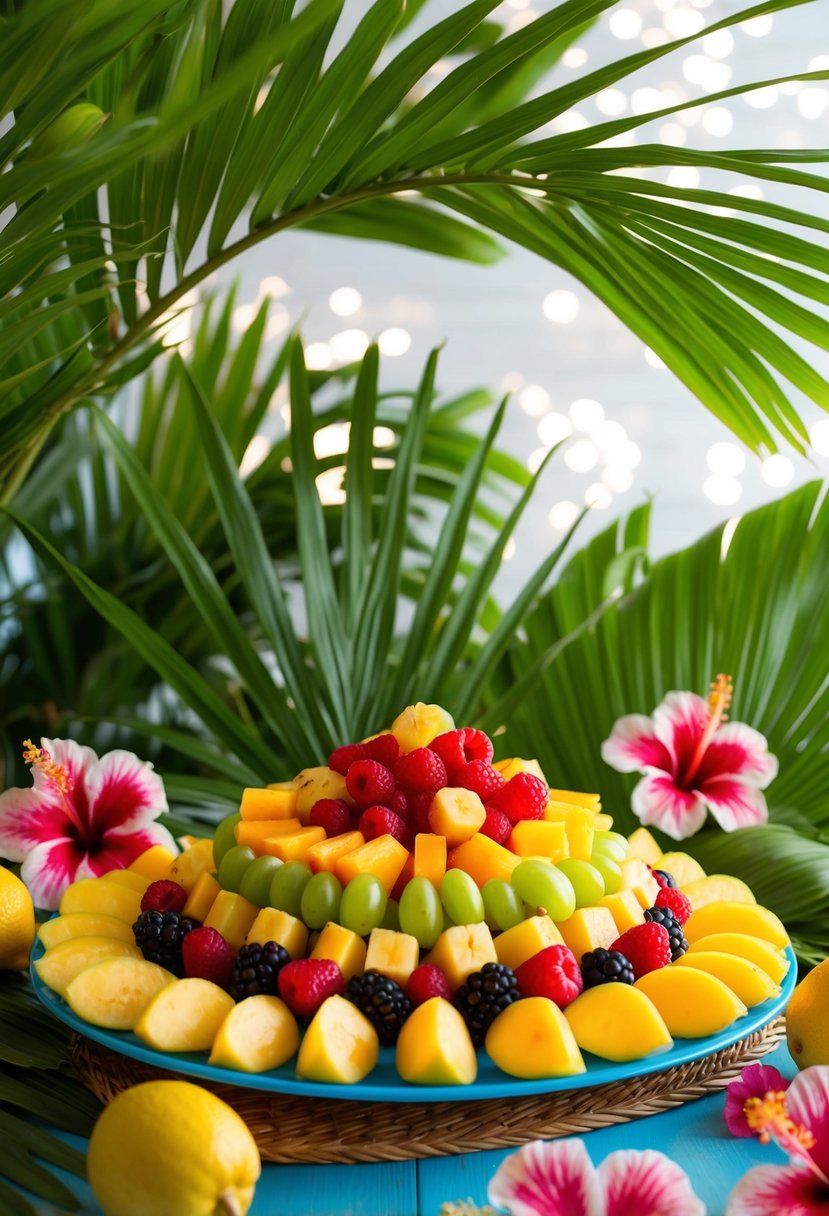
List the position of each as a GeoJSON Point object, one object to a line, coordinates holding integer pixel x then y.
{"type": "Point", "coordinates": [414, 893]}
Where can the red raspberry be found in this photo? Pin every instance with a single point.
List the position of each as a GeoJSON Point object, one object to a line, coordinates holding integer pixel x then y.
{"type": "Point", "coordinates": [384, 749]}
{"type": "Point", "coordinates": [450, 747]}
{"type": "Point", "coordinates": [419, 807]}
{"type": "Point", "coordinates": [522, 797]}
{"type": "Point", "coordinates": [479, 776]}
{"type": "Point", "coordinates": [477, 745]}
{"type": "Point", "coordinates": [333, 814]}
{"type": "Point", "coordinates": [496, 825]}
{"type": "Point", "coordinates": [554, 972]}
{"type": "Point", "coordinates": [369, 783]}
{"type": "Point", "coordinates": [380, 821]}
{"type": "Point", "coordinates": [678, 903]}
{"type": "Point", "coordinates": [343, 757]}
{"type": "Point", "coordinates": [427, 981]}
{"type": "Point", "coordinates": [163, 896]}
{"type": "Point", "coordinates": [207, 956]}
{"type": "Point", "coordinates": [399, 803]}
{"type": "Point", "coordinates": [648, 947]}
{"type": "Point", "coordinates": [305, 983]}
{"type": "Point", "coordinates": [421, 771]}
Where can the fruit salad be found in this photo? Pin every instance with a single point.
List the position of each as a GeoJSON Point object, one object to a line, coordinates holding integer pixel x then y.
{"type": "Point", "coordinates": [414, 893]}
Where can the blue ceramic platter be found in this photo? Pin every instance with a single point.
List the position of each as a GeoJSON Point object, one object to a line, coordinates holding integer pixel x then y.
{"type": "Point", "coordinates": [384, 1084]}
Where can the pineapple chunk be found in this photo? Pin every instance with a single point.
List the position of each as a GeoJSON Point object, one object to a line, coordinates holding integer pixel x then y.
{"type": "Point", "coordinates": [462, 949]}
{"type": "Point", "coordinates": [384, 857]}
{"type": "Point", "coordinates": [232, 916]}
{"type": "Point", "coordinates": [419, 724]}
{"type": "Point", "coordinates": [129, 879]}
{"type": "Point", "coordinates": [257, 805]}
{"type": "Point", "coordinates": [315, 783]}
{"type": "Point", "coordinates": [511, 768]}
{"type": "Point", "coordinates": [644, 846]}
{"type": "Point", "coordinates": [602, 823]}
{"type": "Point", "coordinates": [537, 838]}
{"type": "Point", "coordinates": [456, 814]}
{"type": "Point", "coordinates": [326, 853]}
{"type": "Point", "coordinates": [430, 857]}
{"type": "Point", "coordinates": [482, 859]}
{"type": "Point", "coordinates": [394, 955]}
{"type": "Point", "coordinates": [274, 925]}
{"type": "Point", "coordinates": [591, 801]}
{"type": "Point", "coordinates": [524, 940]}
{"type": "Point", "coordinates": [579, 823]}
{"type": "Point", "coordinates": [625, 909]}
{"type": "Point", "coordinates": [189, 865]}
{"type": "Point", "coordinates": [588, 929]}
{"type": "Point", "coordinates": [295, 846]}
{"type": "Point", "coordinates": [343, 947]}
{"type": "Point", "coordinates": [636, 877]}
{"type": "Point", "coordinates": [201, 898]}
{"type": "Point", "coordinates": [153, 863]}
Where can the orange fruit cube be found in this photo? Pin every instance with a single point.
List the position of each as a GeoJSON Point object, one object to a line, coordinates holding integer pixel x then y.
{"type": "Point", "coordinates": [294, 846]}
{"type": "Point", "coordinates": [326, 853]}
{"type": "Point", "coordinates": [482, 859]}
{"type": "Point", "coordinates": [384, 857]}
{"type": "Point", "coordinates": [430, 856]}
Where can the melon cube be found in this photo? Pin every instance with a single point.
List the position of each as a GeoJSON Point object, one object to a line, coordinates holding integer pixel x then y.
{"type": "Point", "coordinates": [644, 846]}
{"type": "Point", "coordinates": [201, 898]}
{"type": "Point", "coordinates": [294, 846]}
{"type": "Point", "coordinates": [456, 814]}
{"type": "Point", "coordinates": [99, 895]}
{"type": "Point", "coordinates": [326, 853]}
{"type": "Point", "coordinates": [575, 798]}
{"type": "Point", "coordinates": [114, 992]}
{"type": "Point", "coordinates": [430, 857]}
{"type": "Point", "coordinates": [339, 1046]}
{"type": "Point", "coordinates": [579, 823]}
{"type": "Point", "coordinates": [274, 925]}
{"type": "Point", "coordinates": [189, 865]}
{"type": "Point", "coordinates": [258, 1034]}
{"type": "Point", "coordinates": [185, 1016]}
{"type": "Point", "coordinates": [394, 955]}
{"type": "Point", "coordinates": [524, 940]}
{"type": "Point", "coordinates": [315, 783]}
{"type": "Point", "coordinates": [343, 947]}
{"type": "Point", "coordinates": [482, 859]}
{"type": "Point", "coordinates": [384, 857]}
{"type": "Point", "coordinates": [255, 832]}
{"type": "Point", "coordinates": [538, 838]}
{"type": "Point", "coordinates": [462, 949]}
{"type": "Point", "coordinates": [153, 863]}
{"type": "Point", "coordinates": [588, 929]}
{"type": "Point", "coordinates": [129, 879]}
{"type": "Point", "coordinates": [258, 805]}
{"type": "Point", "coordinates": [232, 915]}
{"type": "Point", "coordinates": [59, 966]}
{"type": "Point", "coordinates": [625, 909]}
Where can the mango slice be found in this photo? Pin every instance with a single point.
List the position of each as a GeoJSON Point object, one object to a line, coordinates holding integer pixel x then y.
{"type": "Point", "coordinates": [293, 846]}
{"type": "Point", "coordinates": [326, 853]}
{"type": "Point", "coordinates": [202, 897]}
{"type": "Point", "coordinates": [59, 966]}
{"type": "Point", "coordinates": [129, 879]}
{"type": "Point", "coordinates": [618, 1023]}
{"type": "Point", "coordinates": [429, 857]}
{"type": "Point", "coordinates": [592, 801]}
{"type": "Point", "coordinates": [682, 866]}
{"type": "Point", "coordinates": [434, 1047]}
{"type": "Point", "coordinates": [340, 1045]}
{"type": "Point", "coordinates": [693, 1003]}
{"type": "Point", "coordinates": [525, 939]}
{"type": "Point", "coordinates": [746, 980]}
{"type": "Point", "coordinates": [114, 992]}
{"type": "Point", "coordinates": [456, 814]}
{"type": "Point", "coordinates": [762, 953]}
{"type": "Point", "coordinates": [258, 1034]}
{"type": "Point", "coordinates": [343, 947]}
{"type": "Point", "coordinates": [257, 805]}
{"type": "Point", "coordinates": [184, 1016]}
{"type": "Point", "coordinates": [254, 832]}
{"type": "Point", "coordinates": [384, 857]}
{"type": "Point", "coordinates": [461, 950]}
{"type": "Point", "coordinates": [100, 895]}
{"type": "Point", "coordinates": [540, 838]}
{"type": "Point", "coordinates": [532, 1038]}
{"type": "Point", "coordinates": [153, 863]}
{"type": "Point", "coordinates": [729, 917]}
{"type": "Point", "coordinates": [83, 924]}
{"type": "Point", "coordinates": [579, 823]}
{"type": "Point", "coordinates": [482, 859]}
{"type": "Point", "coordinates": [715, 888]}
{"type": "Point", "coordinates": [394, 955]}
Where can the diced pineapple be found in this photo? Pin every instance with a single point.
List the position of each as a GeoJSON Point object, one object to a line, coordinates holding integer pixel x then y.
{"type": "Point", "coordinates": [602, 822]}
{"type": "Point", "coordinates": [201, 898]}
{"type": "Point", "coordinates": [153, 863]}
{"type": "Point", "coordinates": [394, 955]}
{"type": "Point", "coordinates": [482, 859]}
{"type": "Point", "coordinates": [575, 798]}
{"type": "Point", "coordinates": [343, 947]}
{"type": "Point", "coordinates": [326, 853]}
{"type": "Point", "coordinates": [511, 768]}
{"type": "Point", "coordinates": [384, 857]}
{"type": "Point", "coordinates": [274, 925]}
{"type": "Point", "coordinates": [580, 825]}
{"type": "Point", "coordinates": [419, 724]}
{"type": "Point", "coordinates": [625, 909]}
{"type": "Point", "coordinates": [462, 949]}
{"type": "Point", "coordinates": [524, 940]}
{"type": "Point", "coordinates": [588, 929]}
{"type": "Point", "coordinates": [644, 846]}
{"type": "Point", "coordinates": [186, 868]}
{"type": "Point", "coordinates": [271, 803]}
{"type": "Point", "coordinates": [232, 916]}
{"type": "Point", "coordinates": [255, 832]}
{"type": "Point", "coordinates": [538, 838]}
{"type": "Point", "coordinates": [636, 877]}
{"type": "Point", "coordinates": [430, 857]}
{"type": "Point", "coordinates": [295, 846]}
{"type": "Point", "coordinates": [456, 814]}
{"type": "Point", "coordinates": [315, 783]}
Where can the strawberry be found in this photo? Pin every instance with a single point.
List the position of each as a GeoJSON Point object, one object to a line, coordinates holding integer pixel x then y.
{"type": "Point", "coordinates": [427, 981]}
{"type": "Point", "coordinates": [647, 947]}
{"type": "Point", "coordinates": [554, 972]}
{"type": "Point", "coordinates": [207, 956]}
{"type": "Point", "coordinates": [306, 982]}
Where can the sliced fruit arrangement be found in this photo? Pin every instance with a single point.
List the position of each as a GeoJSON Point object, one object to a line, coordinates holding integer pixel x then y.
{"type": "Point", "coordinates": [414, 893]}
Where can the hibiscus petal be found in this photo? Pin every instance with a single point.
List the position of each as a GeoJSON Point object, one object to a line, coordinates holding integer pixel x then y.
{"type": "Point", "coordinates": [639, 1182]}
{"type": "Point", "coordinates": [778, 1190]}
{"type": "Point", "coordinates": [124, 792]}
{"type": "Point", "coordinates": [119, 849]}
{"type": "Point", "coordinates": [72, 757]}
{"type": "Point", "coordinates": [679, 721]}
{"type": "Point", "coordinates": [633, 746]}
{"type": "Point", "coordinates": [755, 1081]}
{"type": "Point", "coordinates": [658, 802]}
{"type": "Point", "coordinates": [807, 1101]}
{"type": "Point", "coordinates": [27, 818]}
{"type": "Point", "coordinates": [734, 804]}
{"type": "Point", "coordinates": [544, 1178]}
{"type": "Point", "coordinates": [740, 751]}
{"type": "Point", "coordinates": [49, 868]}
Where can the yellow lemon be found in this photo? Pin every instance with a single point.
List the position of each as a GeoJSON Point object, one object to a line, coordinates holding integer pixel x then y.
{"type": "Point", "coordinates": [807, 1027]}
{"type": "Point", "coordinates": [17, 922]}
{"type": "Point", "coordinates": [172, 1149]}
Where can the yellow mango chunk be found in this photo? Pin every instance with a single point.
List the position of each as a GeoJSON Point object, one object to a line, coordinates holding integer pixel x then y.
{"type": "Point", "coordinates": [540, 838]}
{"type": "Point", "coordinates": [682, 866]}
{"type": "Point", "coordinates": [434, 1047]}
{"type": "Point", "coordinates": [274, 925]}
{"type": "Point", "coordinates": [524, 940]}
{"type": "Point", "coordinates": [184, 1016]}
{"type": "Point", "coordinates": [340, 1046]}
{"type": "Point", "coordinates": [429, 857]}
{"type": "Point", "coordinates": [462, 949]}
{"type": "Point", "coordinates": [693, 1003]}
{"type": "Point", "coordinates": [532, 1038]}
{"type": "Point", "coordinates": [59, 966]}
{"type": "Point", "coordinates": [258, 1034]}
{"type": "Point", "coordinates": [591, 801]}
{"type": "Point", "coordinates": [617, 1022]}
{"type": "Point", "coordinates": [729, 917]}
{"type": "Point", "coordinates": [588, 929]}
{"type": "Point", "coordinates": [384, 857]}
{"type": "Point", "coordinates": [716, 888]}
{"type": "Point", "coordinates": [232, 915]}
{"type": "Point", "coordinates": [101, 896]}
{"type": "Point", "coordinates": [202, 897]}
{"type": "Point", "coordinates": [746, 980]}
{"type": "Point", "coordinates": [315, 783]}
{"type": "Point", "coordinates": [645, 846]}
{"type": "Point", "coordinates": [259, 805]}
{"type": "Point", "coordinates": [153, 863]}
{"type": "Point", "coordinates": [326, 853]}
{"type": "Point", "coordinates": [419, 724]}
{"type": "Point", "coordinates": [129, 879]}
{"type": "Point", "coordinates": [189, 865]}
{"type": "Point", "coordinates": [482, 859]}
{"type": "Point", "coordinates": [255, 832]}
{"type": "Point", "coordinates": [456, 814]}
{"type": "Point", "coordinates": [636, 877]}
{"type": "Point", "coordinates": [83, 924]}
{"type": "Point", "coordinates": [295, 846]}
{"type": "Point", "coordinates": [114, 992]}
{"type": "Point", "coordinates": [762, 953]}
{"type": "Point", "coordinates": [393, 954]}
{"type": "Point", "coordinates": [343, 947]}
{"type": "Point", "coordinates": [579, 823]}
{"type": "Point", "coordinates": [511, 768]}
{"type": "Point", "coordinates": [625, 909]}
{"type": "Point", "coordinates": [602, 822]}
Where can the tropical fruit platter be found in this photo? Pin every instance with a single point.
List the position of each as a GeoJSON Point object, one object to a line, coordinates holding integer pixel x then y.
{"type": "Point", "coordinates": [414, 920]}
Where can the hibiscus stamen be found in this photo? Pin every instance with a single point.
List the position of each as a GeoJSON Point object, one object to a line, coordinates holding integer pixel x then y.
{"type": "Point", "coordinates": [56, 774]}
{"type": "Point", "coordinates": [720, 692]}
{"type": "Point", "coordinates": [769, 1117]}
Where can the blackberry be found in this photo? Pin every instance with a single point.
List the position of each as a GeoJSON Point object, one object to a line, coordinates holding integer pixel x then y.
{"type": "Point", "coordinates": [485, 994]}
{"type": "Point", "coordinates": [256, 970]}
{"type": "Point", "coordinates": [159, 935]}
{"type": "Point", "coordinates": [606, 967]}
{"type": "Point", "coordinates": [666, 918]}
{"type": "Point", "coordinates": [668, 880]}
{"type": "Point", "coordinates": [383, 1001]}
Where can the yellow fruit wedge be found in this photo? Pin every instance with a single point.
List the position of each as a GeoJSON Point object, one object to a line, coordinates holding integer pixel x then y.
{"type": "Point", "coordinates": [682, 866]}
{"type": "Point", "coordinates": [129, 879]}
{"type": "Point", "coordinates": [392, 954]}
{"type": "Point", "coordinates": [258, 1034]}
{"type": "Point", "coordinates": [434, 1047]}
{"type": "Point", "coordinates": [525, 939]}
{"type": "Point", "coordinates": [83, 924]}
{"type": "Point", "coordinates": [154, 862]}
{"type": "Point", "coordinates": [343, 947]}
{"type": "Point", "coordinates": [729, 917]}
{"type": "Point", "coordinates": [692, 1003]}
{"type": "Point", "coordinates": [315, 783]}
{"type": "Point", "coordinates": [274, 925]}
{"type": "Point", "coordinates": [462, 949]}
{"type": "Point", "coordinates": [456, 814]}
{"type": "Point", "coordinates": [196, 860]}
{"type": "Point", "coordinates": [419, 724]}
{"type": "Point", "coordinates": [588, 929]}
{"type": "Point", "coordinates": [807, 1027]}
{"type": "Point", "coordinates": [617, 1022]}
{"type": "Point", "coordinates": [644, 846]}
{"type": "Point", "coordinates": [233, 916]}
{"type": "Point", "coordinates": [101, 895]}
{"type": "Point", "coordinates": [114, 992]}
{"type": "Point", "coordinates": [532, 1038]}
{"type": "Point", "coordinates": [59, 966]}
{"type": "Point", "coordinates": [765, 956]}
{"type": "Point", "coordinates": [340, 1046]}
{"type": "Point", "coordinates": [715, 888]}
{"type": "Point", "coordinates": [185, 1016]}
{"type": "Point", "coordinates": [751, 985]}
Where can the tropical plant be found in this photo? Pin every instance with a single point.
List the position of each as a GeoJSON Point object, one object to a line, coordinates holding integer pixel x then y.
{"type": "Point", "coordinates": [139, 133]}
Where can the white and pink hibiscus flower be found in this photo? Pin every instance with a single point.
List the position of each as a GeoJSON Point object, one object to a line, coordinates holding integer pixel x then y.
{"type": "Point", "coordinates": [798, 1120]}
{"type": "Point", "coordinates": [559, 1178]}
{"type": "Point", "coordinates": [82, 817]}
{"type": "Point", "coordinates": [693, 761]}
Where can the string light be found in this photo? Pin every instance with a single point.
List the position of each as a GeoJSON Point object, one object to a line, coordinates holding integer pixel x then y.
{"type": "Point", "coordinates": [586, 414]}
{"type": "Point", "coordinates": [348, 345]}
{"type": "Point", "coordinates": [820, 436]}
{"type": "Point", "coordinates": [345, 301]}
{"type": "Point", "coordinates": [574, 57]}
{"type": "Point", "coordinates": [758, 27]}
{"type": "Point", "coordinates": [598, 496]}
{"type": "Point", "coordinates": [725, 459]}
{"type": "Point", "coordinates": [724, 491]}
{"type": "Point", "coordinates": [331, 440]}
{"type": "Point", "coordinates": [718, 45]}
{"type": "Point", "coordinates": [777, 471]}
{"type": "Point", "coordinates": [717, 121]}
{"type": "Point", "coordinates": [394, 341]}
{"type": "Point", "coordinates": [318, 357]}
{"type": "Point", "coordinates": [611, 102]}
{"type": "Point", "coordinates": [255, 453]}
{"type": "Point", "coordinates": [553, 428]}
{"type": "Point", "coordinates": [563, 515]}
{"type": "Point", "coordinates": [582, 456]}
{"type": "Point", "coordinates": [534, 400]}
{"type": "Point", "coordinates": [625, 23]}
{"type": "Point", "coordinates": [562, 307]}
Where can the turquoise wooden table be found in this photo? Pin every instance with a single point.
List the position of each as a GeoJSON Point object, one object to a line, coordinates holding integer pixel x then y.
{"type": "Point", "coordinates": [694, 1135]}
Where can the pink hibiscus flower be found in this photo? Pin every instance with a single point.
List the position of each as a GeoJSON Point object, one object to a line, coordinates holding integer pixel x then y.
{"type": "Point", "coordinates": [755, 1081]}
{"type": "Point", "coordinates": [798, 1120]}
{"type": "Point", "coordinates": [693, 762]}
{"type": "Point", "coordinates": [83, 816]}
{"type": "Point", "coordinates": [559, 1177]}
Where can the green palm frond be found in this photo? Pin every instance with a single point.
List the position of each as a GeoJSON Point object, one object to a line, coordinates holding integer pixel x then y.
{"type": "Point", "coordinates": [264, 114]}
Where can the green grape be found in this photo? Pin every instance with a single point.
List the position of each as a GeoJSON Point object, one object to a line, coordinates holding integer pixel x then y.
{"type": "Point", "coordinates": [502, 904]}
{"type": "Point", "coordinates": [612, 844]}
{"type": "Point", "coordinates": [543, 886]}
{"type": "Point", "coordinates": [233, 866]}
{"type": "Point", "coordinates": [391, 920]}
{"type": "Point", "coordinates": [587, 881]}
{"type": "Point", "coordinates": [224, 837]}
{"type": "Point", "coordinates": [421, 914]}
{"type": "Point", "coordinates": [257, 879]}
{"type": "Point", "coordinates": [320, 900]}
{"type": "Point", "coordinates": [461, 898]}
{"type": "Point", "coordinates": [363, 904]}
{"type": "Point", "coordinates": [287, 886]}
{"type": "Point", "coordinates": [610, 871]}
